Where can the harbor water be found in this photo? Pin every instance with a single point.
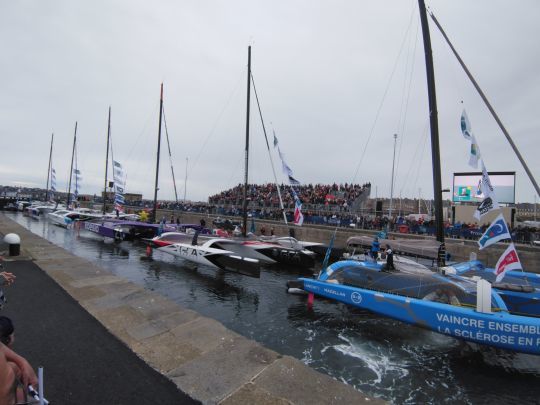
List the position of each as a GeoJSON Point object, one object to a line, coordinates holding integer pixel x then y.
{"type": "Point", "coordinates": [379, 356]}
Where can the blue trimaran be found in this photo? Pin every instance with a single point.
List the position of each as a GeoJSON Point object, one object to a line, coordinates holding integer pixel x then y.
{"type": "Point", "coordinates": [447, 302]}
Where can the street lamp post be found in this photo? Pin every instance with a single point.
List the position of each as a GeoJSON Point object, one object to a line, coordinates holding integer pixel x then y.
{"type": "Point", "coordinates": [392, 182]}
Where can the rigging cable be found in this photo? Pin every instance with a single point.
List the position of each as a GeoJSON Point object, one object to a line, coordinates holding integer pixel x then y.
{"type": "Point", "coordinates": [382, 101]}
{"type": "Point", "coordinates": [170, 155]}
{"type": "Point", "coordinates": [269, 153]}
{"type": "Point", "coordinates": [402, 128]}
{"type": "Point", "coordinates": [146, 173]}
{"type": "Point", "coordinates": [488, 105]}
{"type": "Point", "coordinates": [214, 126]}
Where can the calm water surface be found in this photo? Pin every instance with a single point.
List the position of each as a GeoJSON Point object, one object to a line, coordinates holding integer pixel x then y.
{"type": "Point", "coordinates": [379, 356]}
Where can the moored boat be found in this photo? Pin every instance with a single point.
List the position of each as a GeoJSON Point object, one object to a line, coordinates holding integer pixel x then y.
{"type": "Point", "coordinates": [212, 253]}
{"type": "Point", "coordinates": [464, 309]}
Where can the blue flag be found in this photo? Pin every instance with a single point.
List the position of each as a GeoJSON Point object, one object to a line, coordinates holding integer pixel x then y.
{"type": "Point", "coordinates": [327, 255]}
{"type": "Point", "coordinates": [498, 230]}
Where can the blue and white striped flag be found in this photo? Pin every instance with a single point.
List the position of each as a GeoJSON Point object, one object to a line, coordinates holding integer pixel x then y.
{"type": "Point", "coordinates": [77, 178]}
{"type": "Point", "coordinates": [53, 184]}
{"type": "Point", "coordinates": [119, 185]}
{"type": "Point", "coordinates": [298, 216]}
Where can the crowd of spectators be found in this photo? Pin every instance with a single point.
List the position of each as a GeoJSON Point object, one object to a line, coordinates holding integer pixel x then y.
{"type": "Point", "coordinates": [266, 195]}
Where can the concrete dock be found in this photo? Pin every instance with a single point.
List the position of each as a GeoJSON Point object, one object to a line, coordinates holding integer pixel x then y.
{"type": "Point", "coordinates": [197, 358]}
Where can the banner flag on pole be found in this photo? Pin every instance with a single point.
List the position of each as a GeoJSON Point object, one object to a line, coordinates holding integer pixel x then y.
{"type": "Point", "coordinates": [474, 153]}
{"type": "Point", "coordinates": [53, 184]}
{"type": "Point", "coordinates": [465, 126]}
{"type": "Point", "coordinates": [77, 178]}
{"type": "Point", "coordinates": [298, 216]}
{"type": "Point", "coordinates": [508, 261]}
{"type": "Point", "coordinates": [498, 230]}
{"type": "Point", "coordinates": [489, 203]}
{"type": "Point", "coordinates": [474, 150]}
{"type": "Point", "coordinates": [119, 180]}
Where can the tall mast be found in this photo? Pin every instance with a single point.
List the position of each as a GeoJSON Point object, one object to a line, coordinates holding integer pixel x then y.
{"type": "Point", "coordinates": [107, 162]}
{"type": "Point", "coordinates": [158, 149]}
{"type": "Point", "coordinates": [49, 170]}
{"type": "Point", "coordinates": [71, 167]}
{"type": "Point", "coordinates": [244, 209]}
{"type": "Point", "coordinates": [434, 124]}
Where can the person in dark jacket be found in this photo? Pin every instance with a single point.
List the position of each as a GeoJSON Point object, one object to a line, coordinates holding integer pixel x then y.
{"type": "Point", "coordinates": [389, 258]}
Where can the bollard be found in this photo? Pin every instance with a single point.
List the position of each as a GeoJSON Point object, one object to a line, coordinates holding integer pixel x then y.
{"type": "Point", "coordinates": [14, 242]}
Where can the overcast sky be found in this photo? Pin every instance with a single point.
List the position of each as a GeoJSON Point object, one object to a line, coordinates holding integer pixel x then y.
{"type": "Point", "coordinates": [336, 80]}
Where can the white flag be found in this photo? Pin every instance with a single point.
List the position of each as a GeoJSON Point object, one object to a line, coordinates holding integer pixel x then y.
{"type": "Point", "coordinates": [465, 126]}
{"type": "Point", "coordinates": [474, 153]}
{"type": "Point", "coordinates": [489, 203]}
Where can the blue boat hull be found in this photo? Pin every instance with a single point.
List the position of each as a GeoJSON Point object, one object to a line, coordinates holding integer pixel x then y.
{"type": "Point", "coordinates": [498, 329]}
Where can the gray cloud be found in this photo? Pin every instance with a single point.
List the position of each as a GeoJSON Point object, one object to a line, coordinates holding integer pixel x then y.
{"type": "Point", "coordinates": [321, 70]}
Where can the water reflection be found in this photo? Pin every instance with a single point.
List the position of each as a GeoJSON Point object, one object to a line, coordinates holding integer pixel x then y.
{"type": "Point", "coordinates": [380, 356]}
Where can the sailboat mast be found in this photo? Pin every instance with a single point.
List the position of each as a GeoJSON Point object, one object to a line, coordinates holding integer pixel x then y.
{"type": "Point", "coordinates": [107, 162]}
{"type": "Point", "coordinates": [434, 124]}
{"type": "Point", "coordinates": [71, 167]}
{"type": "Point", "coordinates": [244, 208]}
{"type": "Point", "coordinates": [158, 150]}
{"type": "Point", "coordinates": [49, 170]}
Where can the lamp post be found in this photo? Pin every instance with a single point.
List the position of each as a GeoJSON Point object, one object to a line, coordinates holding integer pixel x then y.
{"type": "Point", "coordinates": [445, 190]}
{"type": "Point", "coordinates": [535, 208]}
{"type": "Point", "coordinates": [392, 182]}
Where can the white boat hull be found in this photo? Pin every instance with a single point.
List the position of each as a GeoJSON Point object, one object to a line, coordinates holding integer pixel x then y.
{"type": "Point", "coordinates": [213, 257]}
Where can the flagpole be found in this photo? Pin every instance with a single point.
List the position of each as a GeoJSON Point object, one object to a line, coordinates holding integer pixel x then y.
{"type": "Point", "coordinates": [185, 180]}
{"type": "Point", "coordinates": [535, 208]}
{"type": "Point", "coordinates": [392, 182]}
